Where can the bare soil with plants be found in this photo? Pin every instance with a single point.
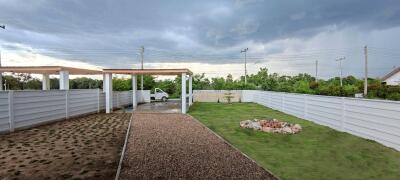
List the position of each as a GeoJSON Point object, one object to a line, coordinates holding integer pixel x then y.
{"type": "Point", "coordinates": [81, 148]}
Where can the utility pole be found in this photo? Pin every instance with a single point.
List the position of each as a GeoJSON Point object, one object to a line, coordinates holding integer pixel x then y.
{"type": "Point", "coordinates": [1, 74]}
{"type": "Point", "coordinates": [245, 64]}
{"type": "Point", "coordinates": [366, 71]}
{"type": "Point", "coordinates": [316, 71]}
{"type": "Point", "coordinates": [141, 54]}
{"type": "Point", "coordinates": [341, 70]}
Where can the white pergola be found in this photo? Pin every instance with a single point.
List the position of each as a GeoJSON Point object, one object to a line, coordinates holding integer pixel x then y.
{"type": "Point", "coordinates": [186, 74]}
{"type": "Point", "coordinates": [46, 71]}
{"type": "Point", "coordinates": [64, 73]}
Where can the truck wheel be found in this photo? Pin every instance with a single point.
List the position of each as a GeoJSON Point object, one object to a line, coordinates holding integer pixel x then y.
{"type": "Point", "coordinates": [164, 99]}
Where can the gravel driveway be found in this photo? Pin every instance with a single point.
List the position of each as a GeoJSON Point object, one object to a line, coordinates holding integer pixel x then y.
{"type": "Point", "coordinates": [175, 146]}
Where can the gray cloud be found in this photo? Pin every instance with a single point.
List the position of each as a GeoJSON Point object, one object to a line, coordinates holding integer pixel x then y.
{"type": "Point", "coordinates": [96, 31]}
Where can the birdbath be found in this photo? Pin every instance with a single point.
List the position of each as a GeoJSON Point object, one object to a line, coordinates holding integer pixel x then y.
{"type": "Point", "coordinates": [228, 96]}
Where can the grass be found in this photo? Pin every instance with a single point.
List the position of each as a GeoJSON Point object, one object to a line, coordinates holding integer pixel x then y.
{"type": "Point", "coordinates": [318, 152]}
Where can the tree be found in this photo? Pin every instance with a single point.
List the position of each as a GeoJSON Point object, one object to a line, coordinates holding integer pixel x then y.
{"type": "Point", "coordinates": [33, 84]}
{"type": "Point", "coordinates": [200, 82]}
{"type": "Point", "coordinates": [218, 83]}
{"type": "Point", "coordinates": [120, 84]}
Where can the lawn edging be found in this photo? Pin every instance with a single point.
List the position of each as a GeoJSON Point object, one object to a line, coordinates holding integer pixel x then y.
{"type": "Point", "coordinates": [123, 149]}
{"type": "Point", "coordinates": [225, 141]}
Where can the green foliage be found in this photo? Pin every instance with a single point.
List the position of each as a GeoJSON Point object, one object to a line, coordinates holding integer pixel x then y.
{"type": "Point", "coordinates": [218, 83]}
{"type": "Point", "coordinates": [120, 84]}
{"type": "Point", "coordinates": [262, 80]}
{"type": "Point", "coordinates": [349, 90]}
{"type": "Point", "coordinates": [200, 82]}
{"type": "Point", "coordinates": [149, 82]}
{"type": "Point", "coordinates": [302, 87]}
{"type": "Point", "coordinates": [394, 96]}
{"type": "Point", "coordinates": [85, 83]}
{"type": "Point", "coordinates": [33, 84]}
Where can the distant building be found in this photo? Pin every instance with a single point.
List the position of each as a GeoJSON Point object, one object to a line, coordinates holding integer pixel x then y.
{"type": "Point", "coordinates": [393, 78]}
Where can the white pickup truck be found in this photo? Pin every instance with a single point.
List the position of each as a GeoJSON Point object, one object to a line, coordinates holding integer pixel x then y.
{"type": "Point", "coordinates": [159, 95]}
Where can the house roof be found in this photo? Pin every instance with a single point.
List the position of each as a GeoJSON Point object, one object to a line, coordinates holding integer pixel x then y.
{"type": "Point", "coordinates": [48, 70]}
{"type": "Point", "coordinates": [390, 74]}
{"type": "Point", "coordinates": [149, 71]}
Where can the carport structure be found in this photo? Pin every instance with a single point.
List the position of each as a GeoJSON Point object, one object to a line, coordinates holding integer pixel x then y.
{"type": "Point", "coordinates": [46, 71]}
{"type": "Point", "coordinates": [186, 75]}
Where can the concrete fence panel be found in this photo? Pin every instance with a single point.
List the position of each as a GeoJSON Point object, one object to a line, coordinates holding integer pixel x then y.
{"type": "Point", "coordinates": [22, 109]}
{"type": "Point", "coordinates": [217, 95]}
{"type": "Point", "coordinates": [82, 102]}
{"type": "Point", "coordinates": [143, 96]}
{"type": "Point", "coordinates": [325, 110]}
{"type": "Point", "coordinates": [102, 101]}
{"type": "Point", "coordinates": [36, 107]}
{"type": "Point", "coordinates": [4, 112]}
{"type": "Point", "coordinates": [373, 119]}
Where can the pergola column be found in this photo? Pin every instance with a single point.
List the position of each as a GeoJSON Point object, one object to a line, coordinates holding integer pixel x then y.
{"type": "Point", "coordinates": [45, 82]}
{"type": "Point", "coordinates": [183, 98]}
{"type": "Point", "coordinates": [190, 90]}
{"type": "Point", "coordinates": [108, 92]}
{"type": "Point", "coordinates": [1, 81]}
{"type": "Point", "coordinates": [134, 90]}
{"type": "Point", "coordinates": [104, 82]}
{"type": "Point", "coordinates": [64, 80]}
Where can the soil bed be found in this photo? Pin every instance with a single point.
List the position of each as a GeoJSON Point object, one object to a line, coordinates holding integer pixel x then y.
{"type": "Point", "coordinates": [175, 146]}
{"type": "Point", "coordinates": [80, 148]}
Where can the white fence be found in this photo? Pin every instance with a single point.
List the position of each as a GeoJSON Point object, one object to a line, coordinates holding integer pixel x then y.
{"type": "Point", "coordinates": [19, 109]}
{"type": "Point", "coordinates": [377, 120]}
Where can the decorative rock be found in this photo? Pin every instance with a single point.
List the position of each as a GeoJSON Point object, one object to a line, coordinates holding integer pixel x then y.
{"type": "Point", "coordinates": [266, 129]}
{"type": "Point", "coordinates": [245, 124]}
{"type": "Point", "coordinates": [256, 126]}
{"type": "Point", "coordinates": [287, 130]}
{"type": "Point", "coordinates": [296, 128]}
{"type": "Point", "coordinates": [274, 126]}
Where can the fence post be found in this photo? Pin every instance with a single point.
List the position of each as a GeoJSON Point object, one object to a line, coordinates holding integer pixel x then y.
{"type": "Point", "coordinates": [117, 100]}
{"type": "Point", "coordinates": [98, 100]}
{"type": "Point", "coordinates": [283, 102]}
{"type": "Point", "coordinates": [343, 115]}
{"type": "Point", "coordinates": [11, 110]}
{"type": "Point", "coordinates": [269, 99]}
{"type": "Point", "coordinates": [305, 106]}
{"type": "Point", "coordinates": [66, 103]}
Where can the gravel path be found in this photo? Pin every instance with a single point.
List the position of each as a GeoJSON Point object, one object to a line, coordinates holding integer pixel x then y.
{"type": "Point", "coordinates": [175, 146]}
{"type": "Point", "coordinates": [81, 148]}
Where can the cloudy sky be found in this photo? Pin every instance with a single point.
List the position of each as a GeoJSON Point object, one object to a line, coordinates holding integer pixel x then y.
{"type": "Point", "coordinates": [285, 36]}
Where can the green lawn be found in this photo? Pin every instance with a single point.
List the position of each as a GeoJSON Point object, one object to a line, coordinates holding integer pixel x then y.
{"type": "Point", "coordinates": [318, 152]}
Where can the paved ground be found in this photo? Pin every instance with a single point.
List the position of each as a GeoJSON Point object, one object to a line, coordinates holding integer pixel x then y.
{"type": "Point", "coordinates": [175, 146]}
{"type": "Point", "coordinates": [171, 106]}
{"type": "Point", "coordinates": [81, 148]}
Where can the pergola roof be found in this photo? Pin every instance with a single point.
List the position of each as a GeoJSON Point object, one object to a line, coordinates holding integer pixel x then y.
{"type": "Point", "coordinates": [48, 70]}
{"type": "Point", "coordinates": [81, 71]}
{"type": "Point", "coordinates": [149, 71]}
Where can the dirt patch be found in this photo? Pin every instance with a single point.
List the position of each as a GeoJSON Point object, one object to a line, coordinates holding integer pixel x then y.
{"type": "Point", "coordinates": [174, 146]}
{"type": "Point", "coordinates": [80, 148]}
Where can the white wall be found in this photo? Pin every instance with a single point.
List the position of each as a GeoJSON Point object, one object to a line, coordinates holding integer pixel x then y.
{"type": "Point", "coordinates": [377, 120]}
{"type": "Point", "coordinates": [393, 80]}
{"type": "Point", "coordinates": [31, 108]}
{"type": "Point", "coordinates": [216, 95]}
{"type": "Point", "coordinates": [143, 98]}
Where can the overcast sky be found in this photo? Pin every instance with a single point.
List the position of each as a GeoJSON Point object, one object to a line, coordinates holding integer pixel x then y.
{"type": "Point", "coordinates": [206, 36]}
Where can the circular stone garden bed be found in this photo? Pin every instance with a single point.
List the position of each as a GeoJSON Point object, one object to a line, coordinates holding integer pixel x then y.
{"type": "Point", "coordinates": [271, 126]}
